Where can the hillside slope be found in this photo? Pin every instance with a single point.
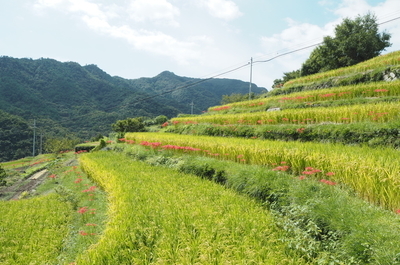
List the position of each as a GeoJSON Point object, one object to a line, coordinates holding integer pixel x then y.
{"type": "Point", "coordinates": [85, 100]}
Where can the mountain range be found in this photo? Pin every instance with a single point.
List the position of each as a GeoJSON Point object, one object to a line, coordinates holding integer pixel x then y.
{"type": "Point", "coordinates": [65, 98]}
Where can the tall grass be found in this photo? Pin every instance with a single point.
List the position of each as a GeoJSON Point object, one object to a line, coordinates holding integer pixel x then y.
{"type": "Point", "coordinates": [160, 216]}
{"type": "Point", "coordinates": [391, 59]}
{"type": "Point", "coordinates": [32, 231]}
{"type": "Point", "coordinates": [380, 112]}
{"type": "Point", "coordinates": [370, 90]}
{"type": "Point", "coordinates": [325, 223]}
{"type": "Point", "coordinates": [372, 173]}
{"type": "Point", "coordinates": [360, 91]}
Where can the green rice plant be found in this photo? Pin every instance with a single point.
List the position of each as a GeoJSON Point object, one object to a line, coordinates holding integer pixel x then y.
{"type": "Point", "coordinates": [32, 231]}
{"type": "Point", "coordinates": [160, 216]}
{"type": "Point", "coordinates": [325, 223]}
{"type": "Point", "coordinates": [380, 112]}
{"type": "Point", "coordinates": [391, 59]}
{"type": "Point", "coordinates": [370, 90]}
{"type": "Point", "coordinates": [371, 173]}
{"type": "Point", "coordinates": [368, 133]}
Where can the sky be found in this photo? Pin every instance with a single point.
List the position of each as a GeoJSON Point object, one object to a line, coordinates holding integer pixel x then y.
{"type": "Point", "coordinates": [192, 38]}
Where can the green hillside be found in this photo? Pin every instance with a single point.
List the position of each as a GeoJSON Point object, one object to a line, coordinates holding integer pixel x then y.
{"type": "Point", "coordinates": [70, 100]}
{"type": "Point", "coordinates": [301, 176]}
{"type": "Point", "coordinates": [86, 100]}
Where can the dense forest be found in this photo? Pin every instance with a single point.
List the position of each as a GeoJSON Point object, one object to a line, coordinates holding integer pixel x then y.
{"type": "Point", "coordinates": [83, 101]}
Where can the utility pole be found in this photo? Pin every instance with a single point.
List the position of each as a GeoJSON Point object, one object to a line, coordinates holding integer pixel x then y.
{"type": "Point", "coordinates": [251, 76]}
{"type": "Point", "coordinates": [34, 136]}
{"type": "Point", "coordinates": [41, 144]}
{"type": "Point", "coordinates": [192, 104]}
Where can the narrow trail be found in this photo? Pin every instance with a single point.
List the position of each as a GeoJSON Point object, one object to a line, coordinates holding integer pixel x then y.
{"type": "Point", "coordinates": [31, 183]}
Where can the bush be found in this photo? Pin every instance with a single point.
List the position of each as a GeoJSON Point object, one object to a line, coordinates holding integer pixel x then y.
{"type": "Point", "coordinates": [3, 176]}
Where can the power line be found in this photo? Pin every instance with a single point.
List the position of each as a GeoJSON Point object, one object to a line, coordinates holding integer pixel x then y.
{"type": "Point", "coordinates": [191, 84]}
{"type": "Point", "coordinates": [228, 71]}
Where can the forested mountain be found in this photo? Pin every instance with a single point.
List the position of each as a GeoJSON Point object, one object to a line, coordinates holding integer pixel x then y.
{"type": "Point", "coordinates": [67, 98]}
{"type": "Point", "coordinates": [15, 137]}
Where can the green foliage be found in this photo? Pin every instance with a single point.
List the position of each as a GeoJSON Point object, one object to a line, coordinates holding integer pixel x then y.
{"type": "Point", "coordinates": [128, 125]}
{"type": "Point", "coordinates": [15, 137]}
{"type": "Point", "coordinates": [235, 97]}
{"type": "Point", "coordinates": [326, 224]}
{"type": "Point", "coordinates": [56, 145]}
{"type": "Point", "coordinates": [101, 145]}
{"type": "Point", "coordinates": [355, 41]}
{"type": "Point", "coordinates": [3, 176]}
{"type": "Point", "coordinates": [66, 98]}
{"type": "Point", "coordinates": [286, 77]}
{"type": "Point", "coordinates": [370, 134]}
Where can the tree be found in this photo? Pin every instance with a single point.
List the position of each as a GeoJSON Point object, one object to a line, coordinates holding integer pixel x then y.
{"type": "Point", "coordinates": [286, 77]}
{"type": "Point", "coordinates": [3, 176]}
{"type": "Point", "coordinates": [128, 125]}
{"type": "Point", "coordinates": [56, 145]}
{"type": "Point", "coordinates": [355, 41]}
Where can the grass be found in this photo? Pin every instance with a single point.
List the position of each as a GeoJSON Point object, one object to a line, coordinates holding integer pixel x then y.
{"type": "Point", "coordinates": [160, 216]}
{"type": "Point", "coordinates": [370, 172]}
{"type": "Point", "coordinates": [32, 231]}
{"type": "Point", "coordinates": [325, 223]}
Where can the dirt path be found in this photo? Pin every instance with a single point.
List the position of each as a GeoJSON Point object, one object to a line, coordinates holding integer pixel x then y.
{"type": "Point", "coordinates": [28, 185]}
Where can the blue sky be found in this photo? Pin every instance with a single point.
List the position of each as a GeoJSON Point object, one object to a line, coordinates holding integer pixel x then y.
{"type": "Point", "coordinates": [194, 38]}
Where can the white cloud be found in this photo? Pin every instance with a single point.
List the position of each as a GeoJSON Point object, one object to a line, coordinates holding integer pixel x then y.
{"type": "Point", "coordinates": [224, 9]}
{"type": "Point", "coordinates": [154, 10]}
{"type": "Point", "coordinates": [97, 18]}
{"type": "Point", "coordinates": [352, 8]}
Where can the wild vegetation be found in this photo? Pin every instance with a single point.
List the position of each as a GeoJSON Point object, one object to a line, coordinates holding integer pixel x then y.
{"type": "Point", "coordinates": [308, 174]}
{"type": "Point", "coordinates": [69, 99]}
{"type": "Point", "coordinates": [355, 41]}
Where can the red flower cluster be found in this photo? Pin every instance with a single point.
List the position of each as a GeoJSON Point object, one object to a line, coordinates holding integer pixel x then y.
{"type": "Point", "coordinates": [92, 188]}
{"type": "Point", "coordinates": [381, 90]}
{"type": "Point", "coordinates": [53, 176]}
{"type": "Point", "coordinates": [152, 145]}
{"type": "Point", "coordinates": [221, 108]}
{"type": "Point", "coordinates": [175, 147]}
{"type": "Point", "coordinates": [83, 210]}
{"type": "Point", "coordinates": [281, 168]}
{"type": "Point", "coordinates": [328, 182]}
{"type": "Point", "coordinates": [300, 130]}
{"type": "Point", "coordinates": [78, 180]}
{"type": "Point", "coordinates": [310, 171]}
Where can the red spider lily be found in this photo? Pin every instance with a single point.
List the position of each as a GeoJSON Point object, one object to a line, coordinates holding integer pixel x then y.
{"type": "Point", "coordinates": [328, 182]}
{"type": "Point", "coordinates": [240, 156]}
{"type": "Point", "coordinates": [165, 124]}
{"type": "Point", "coordinates": [281, 168]}
{"type": "Point", "coordinates": [300, 130]}
{"type": "Point", "coordinates": [92, 188]}
{"type": "Point", "coordinates": [83, 233]}
{"type": "Point", "coordinates": [381, 90]}
{"type": "Point", "coordinates": [91, 225]}
{"type": "Point", "coordinates": [83, 210]}
{"type": "Point", "coordinates": [397, 211]}
{"type": "Point", "coordinates": [78, 180]}
{"type": "Point", "coordinates": [330, 174]}
{"type": "Point", "coordinates": [53, 176]}
{"type": "Point", "coordinates": [221, 108]}
{"type": "Point", "coordinates": [302, 177]}
{"type": "Point", "coordinates": [327, 95]}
